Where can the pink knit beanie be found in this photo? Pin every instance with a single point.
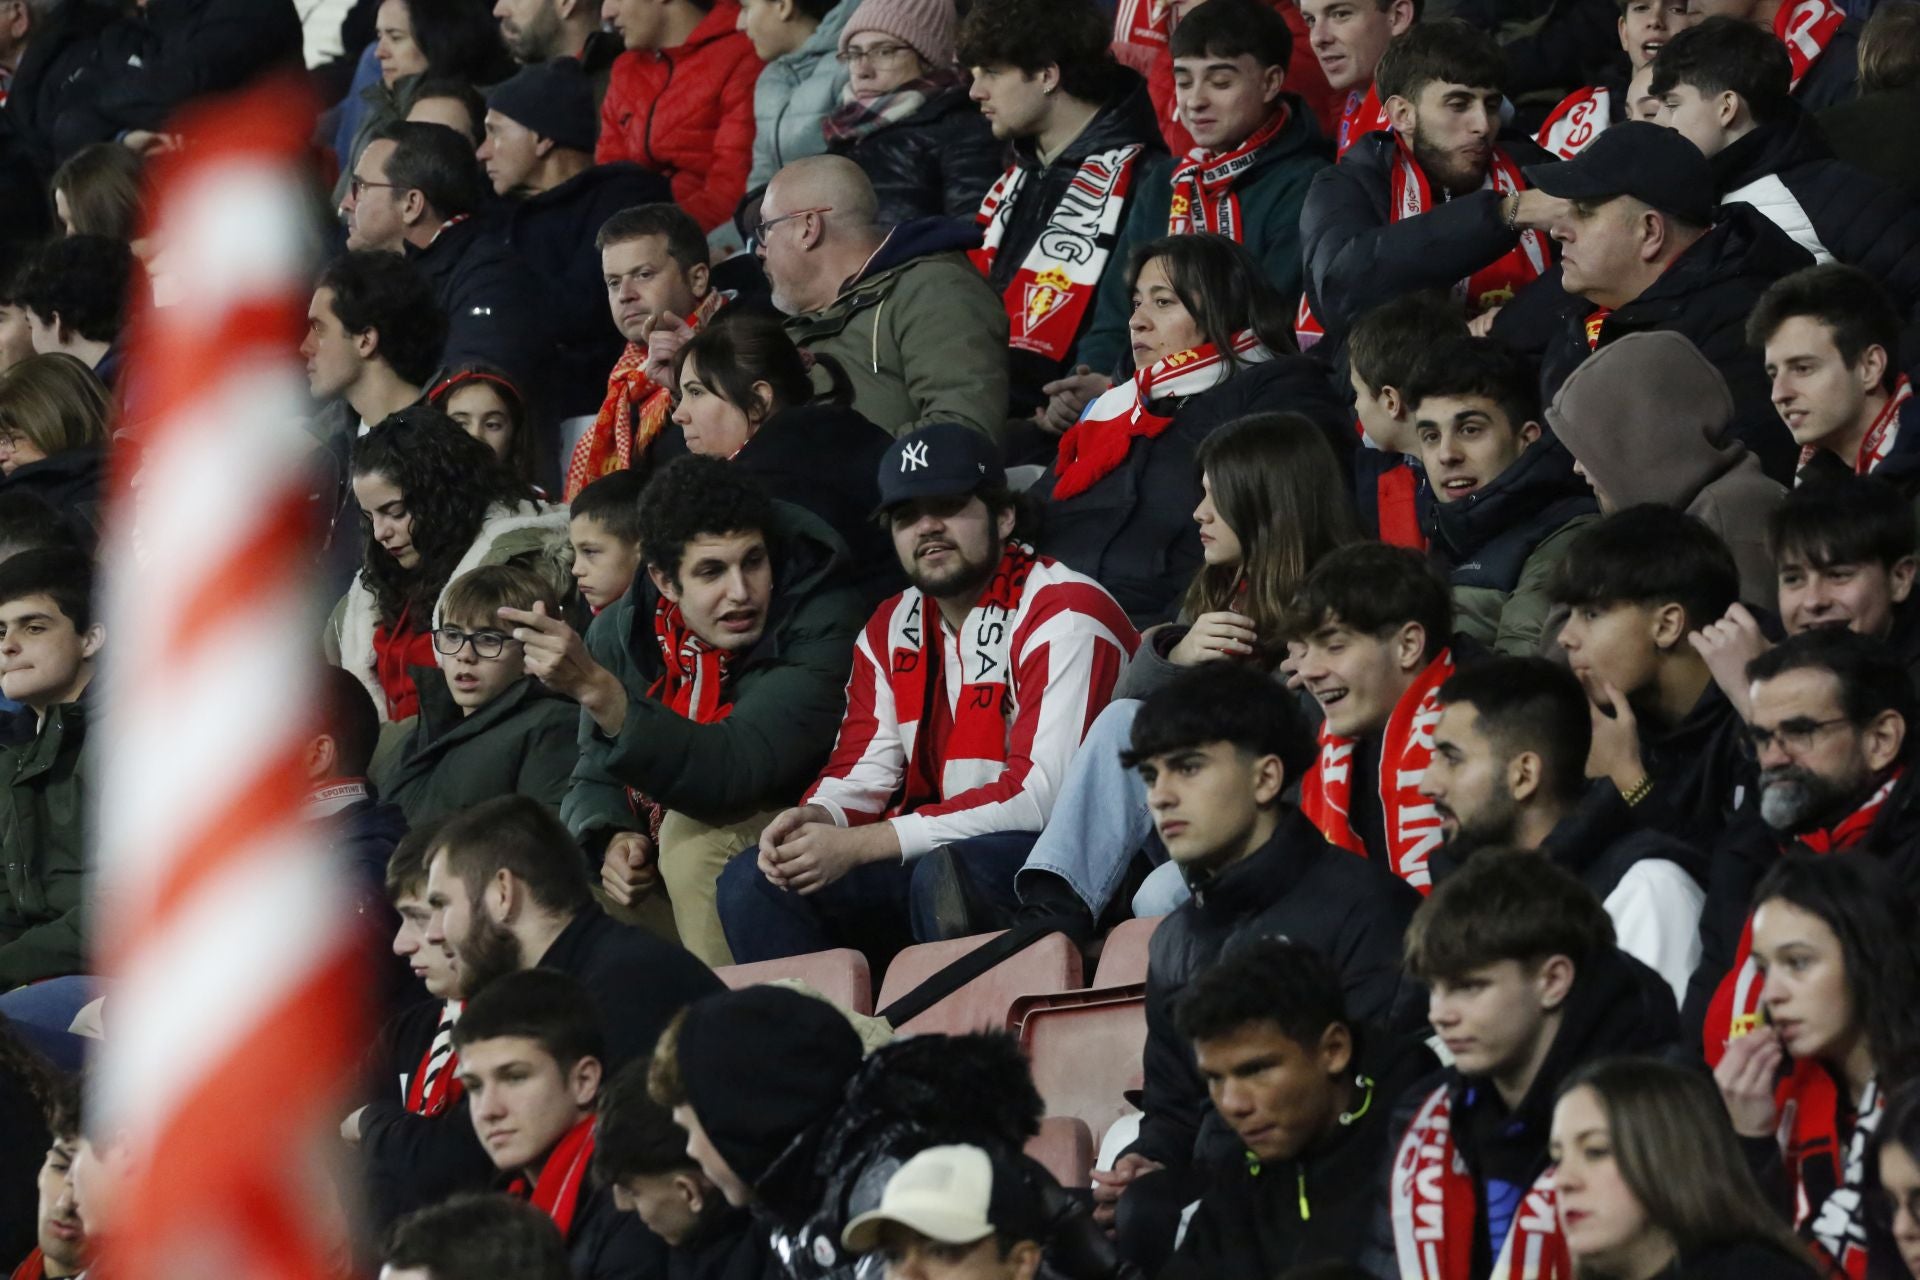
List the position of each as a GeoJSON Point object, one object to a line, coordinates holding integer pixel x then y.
{"type": "Point", "coordinates": [927, 25]}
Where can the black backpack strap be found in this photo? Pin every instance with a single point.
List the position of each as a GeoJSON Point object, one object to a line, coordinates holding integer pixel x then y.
{"type": "Point", "coordinates": [944, 983]}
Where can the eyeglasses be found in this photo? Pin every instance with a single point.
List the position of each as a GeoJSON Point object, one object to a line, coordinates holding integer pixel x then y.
{"type": "Point", "coordinates": [879, 55]}
{"type": "Point", "coordinates": [760, 229]}
{"type": "Point", "coordinates": [1793, 736]}
{"type": "Point", "coordinates": [486, 644]}
{"type": "Point", "coordinates": [359, 186]}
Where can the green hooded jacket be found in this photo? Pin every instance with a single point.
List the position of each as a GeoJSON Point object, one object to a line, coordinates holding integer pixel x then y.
{"type": "Point", "coordinates": [44, 836]}
{"type": "Point", "coordinates": [524, 742]}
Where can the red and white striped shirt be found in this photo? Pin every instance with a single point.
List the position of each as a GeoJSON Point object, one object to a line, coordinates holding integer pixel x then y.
{"type": "Point", "coordinates": [1068, 644]}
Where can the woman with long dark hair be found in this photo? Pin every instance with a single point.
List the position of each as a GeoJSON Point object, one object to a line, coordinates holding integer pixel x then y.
{"type": "Point", "coordinates": [435, 503]}
{"type": "Point", "coordinates": [1649, 1181]}
{"type": "Point", "coordinates": [487, 405]}
{"type": "Point", "coordinates": [1212, 342]}
{"type": "Point", "coordinates": [1834, 943]}
{"type": "Point", "coordinates": [55, 419]}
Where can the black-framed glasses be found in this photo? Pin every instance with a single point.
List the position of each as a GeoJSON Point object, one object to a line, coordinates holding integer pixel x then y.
{"type": "Point", "coordinates": [880, 55]}
{"type": "Point", "coordinates": [358, 186]}
{"type": "Point", "coordinates": [760, 229]}
{"type": "Point", "coordinates": [486, 644]}
{"type": "Point", "coordinates": [1793, 736]}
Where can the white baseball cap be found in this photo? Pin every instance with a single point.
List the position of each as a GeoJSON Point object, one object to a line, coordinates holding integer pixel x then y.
{"type": "Point", "coordinates": [944, 1193]}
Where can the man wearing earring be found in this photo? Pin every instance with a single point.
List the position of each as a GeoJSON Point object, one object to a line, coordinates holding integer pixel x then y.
{"type": "Point", "coordinates": [1307, 1091]}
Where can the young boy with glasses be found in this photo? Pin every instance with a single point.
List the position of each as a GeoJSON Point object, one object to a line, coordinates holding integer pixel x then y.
{"type": "Point", "coordinates": [485, 728]}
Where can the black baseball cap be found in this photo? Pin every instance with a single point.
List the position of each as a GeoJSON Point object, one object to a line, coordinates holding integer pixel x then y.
{"type": "Point", "coordinates": [1654, 165]}
{"type": "Point", "coordinates": [939, 460]}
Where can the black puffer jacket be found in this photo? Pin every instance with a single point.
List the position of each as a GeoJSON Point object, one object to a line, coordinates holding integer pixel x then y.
{"type": "Point", "coordinates": [938, 162]}
{"type": "Point", "coordinates": [1875, 132]}
{"type": "Point", "coordinates": [1133, 531]}
{"type": "Point", "coordinates": [1705, 296]}
{"type": "Point", "coordinates": [493, 315]}
{"type": "Point", "coordinates": [921, 1092]}
{"type": "Point", "coordinates": [55, 74]}
{"type": "Point", "coordinates": [72, 482]}
{"type": "Point", "coordinates": [1297, 887]}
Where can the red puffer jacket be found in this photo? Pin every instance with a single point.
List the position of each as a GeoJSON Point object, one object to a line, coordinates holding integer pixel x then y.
{"type": "Point", "coordinates": [687, 113]}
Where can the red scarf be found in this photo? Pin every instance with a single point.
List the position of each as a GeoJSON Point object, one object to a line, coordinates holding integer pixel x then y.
{"type": "Point", "coordinates": [977, 730]}
{"type": "Point", "coordinates": [1580, 118]}
{"type": "Point", "coordinates": [397, 649]}
{"type": "Point", "coordinates": [1048, 297]}
{"type": "Point", "coordinates": [436, 1081]}
{"type": "Point", "coordinates": [1880, 437]}
{"type": "Point", "coordinates": [1593, 324]}
{"type": "Point", "coordinates": [563, 1178]}
{"type": "Point", "coordinates": [35, 1267]}
{"type": "Point", "coordinates": [1203, 195]}
{"type": "Point", "coordinates": [607, 446]}
{"type": "Point", "coordinates": [1412, 824]}
{"type": "Point", "coordinates": [693, 686]}
{"type": "Point", "coordinates": [1806, 27]}
{"type": "Point", "coordinates": [1097, 444]}
{"type": "Point", "coordinates": [1826, 1166]}
{"type": "Point", "coordinates": [1735, 1007]}
{"type": "Point", "coordinates": [1362, 115]}
{"type": "Point", "coordinates": [1435, 1210]}
{"type": "Point", "coordinates": [1397, 497]}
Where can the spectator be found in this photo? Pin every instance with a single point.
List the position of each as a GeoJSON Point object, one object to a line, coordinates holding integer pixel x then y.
{"type": "Point", "coordinates": [538, 153]}
{"type": "Point", "coordinates": [485, 728]}
{"type": "Point", "coordinates": [76, 292]}
{"type": "Point", "coordinates": [1307, 1089]}
{"type": "Point", "coordinates": [1899, 1169]}
{"type": "Point", "coordinates": [1640, 251]}
{"type": "Point", "coordinates": [49, 640]}
{"type": "Point", "coordinates": [958, 1208]}
{"type": "Point", "coordinates": [1210, 344]}
{"type": "Point", "coordinates": [486, 405]}
{"type": "Point", "coordinates": [801, 83]}
{"type": "Point", "coordinates": [1874, 131]}
{"type": "Point", "coordinates": [25, 1078]}
{"type": "Point", "coordinates": [745, 396]}
{"type": "Point", "coordinates": [1507, 500]}
{"type": "Point", "coordinates": [1153, 56]}
{"type": "Point", "coordinates": [54, 419]}
{"type": "Point", "coordinates": [1646, 420]}
{"type": "Point", "coordinates": [1371, 626]}
{"type": "Point", "coordinates": [907, 316]}
{"type": "Point", "coordinates": [711, 690]}
{"type": "Point", "coordinates": [62, 1248]}
{"type": "Point", "coordinates": [1509, 769]}
{"type": "Point", "coordinates": [103, 1162]}
{"type": "Point", "coordinates": [435, 504]}
{"type": "Point", "coordinates": [16, 332]}
{"type": "Point", "coordinates": [97, 193]}
{"type": "Point", "coordinates": [1638, 585]}
{"type": "Point", "coordinates": [1270, 509]}
{"type": "Point", "coordinates": [415, 190]}
{"type": "Point", "coordinates": [905, 116]}
{"type": "Point", "coordinates": [1723, 87]}
{"type": "Point", "coordinates": [507, 890]}
{"type": "Point", "coordinates": [1833, 939]}
{"type": "Point", "coordinates": [1644, 26]}
{"type": "Point", "coordinates": [1831, 340]}
{"type": "Point", "coordinates": [532, 1054]}
{"type": "Point", "coordinates": [455, 104]}
{"type": "Point", "coordinates": [477, 1237]}
{"type": "Point", "coordinates": [1646, 1168]}
{"type": "Point", "coordinates": [536, 31]}
{"type": "Point", "coordinates": [1820, 40]}
{"type": "Point", "coordinates": [902, 827]}
{"type": "Point", "coordinates": [604, 527]}
{"type": "Point", "coordinates": [641, 1153]}
{"type": "Point", "coordinates": [1348, 37]}
{"type": "Point", "coordinates": [1216, 749]}
{"type": "Point", "coordinates": [1525, 987]}
{"type": "Point", "coordinates": [1083, 131]}
{"type": "Point", "coordinates": [51, 54]}
{"type": "Point", "coordinates": [1247, 177]}
{"type": "Point", "coordinates": [680, 101]}
{"type": "Point", "coordinates": [1387, 343]}
{"type": "Point", "coordinates": [374, 337]}
{"type": "Point", "coordinates": [659, 287]}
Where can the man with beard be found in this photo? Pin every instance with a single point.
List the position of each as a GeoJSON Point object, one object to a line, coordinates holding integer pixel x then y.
{"type": "Point", "coordinates": [1830, 721]}
{"type": "Point", "coordinates": [62, 1249]}
{"type": "Point", "coordinates": [1509, 768]}
{"type": "Point", "coordinates": [1437, 202]}
{"type": "Point", "coordinates": [969, 695]}
{"type": "Point", "coordinates": [543, 30]}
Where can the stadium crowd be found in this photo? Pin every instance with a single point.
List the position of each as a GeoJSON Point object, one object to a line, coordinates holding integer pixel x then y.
{"type": "Point", "coordinates": [1418, 498]}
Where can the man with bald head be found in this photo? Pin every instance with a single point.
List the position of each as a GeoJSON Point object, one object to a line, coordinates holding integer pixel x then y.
{"type": "Point", "coordinates": [918, 330]}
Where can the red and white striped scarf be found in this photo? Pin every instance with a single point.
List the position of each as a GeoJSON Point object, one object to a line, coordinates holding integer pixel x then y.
{"type": "Point", "coordinates": [693, 686]}
{"type": "Point", "coordinates": [1435, 1210]}
{"type": "Point", "coordinates": [1203, 195]}
{"type": "Point", "coordinates": [1048, 297]}
{"type": "Point", "coordinates": [1580, 118]}
{"type": "Point", "coordinates": [1806, 27]}
{"type": "Point", "coordinates": [1880, 438]}
{"type": "Point", "coordinates": [1098, 443]}
{"type": "Point", "coordinates": [436, 1082]}
{"type": "Point", "coordinates": [563, 1178]}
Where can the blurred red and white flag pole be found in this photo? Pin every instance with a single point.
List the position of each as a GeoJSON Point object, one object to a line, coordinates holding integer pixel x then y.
{"type": "Point", "coordinates": [232, 1016]}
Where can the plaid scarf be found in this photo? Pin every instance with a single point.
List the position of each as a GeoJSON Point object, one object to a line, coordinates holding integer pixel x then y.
{"type": "Point", "coordinates": [693, 685]}
{"type": "Point", "coordinates": [563, 1178]}
{"type": "Point", "coordinates": [1806, 27]}
{"type": "Point", "coordinates": [853, 119]}
{"type": "Point", "coordinates": [1203, 195]}
{"type": "Point", "coordinates": [608, 446]}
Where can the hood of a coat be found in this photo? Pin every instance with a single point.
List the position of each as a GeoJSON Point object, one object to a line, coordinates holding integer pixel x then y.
{"type": "Point", "coordinates": [917, 238]}
{"type": "Point", "coordinates": [1539, 490]}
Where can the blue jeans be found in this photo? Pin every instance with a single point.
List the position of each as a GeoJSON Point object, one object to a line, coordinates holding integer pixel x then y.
{"type": "Point", "coordinates": [878, 908]}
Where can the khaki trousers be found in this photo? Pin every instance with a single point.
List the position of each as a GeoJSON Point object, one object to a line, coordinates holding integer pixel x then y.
{"type": "Point", "coordinates": [691, 856]}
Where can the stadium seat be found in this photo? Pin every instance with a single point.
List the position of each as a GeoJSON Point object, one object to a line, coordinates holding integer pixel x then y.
{"type": "Point", "coordinates": [1051, 964]}
{"type": "Point", "coordinates": [1086, 1053]}
{"type": "Point", "coordinates": [1123, 959]}
{"type": "Point", "coordinates": [841, 976]}
{"type": "Point", "coordinates": [1065, 1146]}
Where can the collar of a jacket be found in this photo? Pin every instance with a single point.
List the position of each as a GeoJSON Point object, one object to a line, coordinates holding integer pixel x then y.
{"type": "Point", "coordinates": [1257, 880]}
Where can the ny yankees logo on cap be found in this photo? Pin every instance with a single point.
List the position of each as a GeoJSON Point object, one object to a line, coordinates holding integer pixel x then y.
{"type": "Point", "coordinates": [914, 457]}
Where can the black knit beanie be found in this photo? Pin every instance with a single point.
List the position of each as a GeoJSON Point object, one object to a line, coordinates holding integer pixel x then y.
{"type": "Point", "coordinates": [554, 99]}
{"type": "Point", "coordinates": [762, 1065]}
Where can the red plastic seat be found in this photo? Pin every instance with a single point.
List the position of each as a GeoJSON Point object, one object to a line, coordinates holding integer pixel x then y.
{"type": "Point", "coordinates": [841, 976]}
{"type": "Point", "coordinates": [1086, 1053]}
{"type": "Point", "coordinates": [1123, 958]}
{"type": "Point", "coordinates": [1051, 964]}
{"type": "Point", "coordinates": [1065, 1146]}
